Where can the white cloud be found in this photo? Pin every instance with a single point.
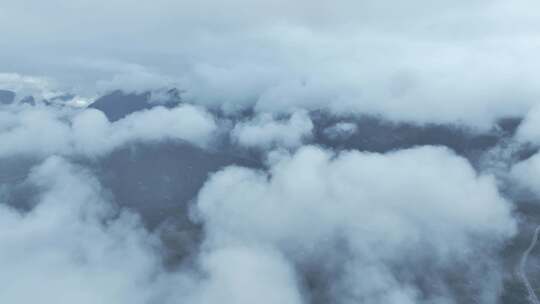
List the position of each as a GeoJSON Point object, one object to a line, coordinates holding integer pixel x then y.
{"type": "Point", "coordinates": [526, 173]}
{"type": "Point", "coordinates": [40, 87]}
{"type": "Point", "coordinates": [133, 78]}
{"type": "Point", "coordinates": [36, 131]}
{"type": "Point", "coordinates": [244, 275]}
{"type": "Point", "coordinates": [45, 131]}
{"type": "Point", "coordinates": [316, 210]}
{"type": "Point", "coordinates": [74, 246]}
{"type": "Point", "coordinates": [341, 130]}
{"type": "Point", "coordinates": [92, 130]}
{"type": "Point", "coordinates": [265, 131]}
{"type": "Point", "coordinates": [529, 129]}
{"type": "Point", "coordinates": [71, 248]}
{"type": "Point", "coordinates": [339, 227]}
{"type": "Point", "coordinates": [384, 208]}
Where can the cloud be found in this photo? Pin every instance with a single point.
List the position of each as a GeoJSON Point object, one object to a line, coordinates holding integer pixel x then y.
{"type": "Point", "coordinates": [381, 209]}
{"type": "Point", "coordinates": [43, 131]}
{"type": "Point", "coordinates": [265, 131]}
{"type": "Point", "coordinates": [529, 130]}
{"type": "Point", "coordinates": [37, 131]}
{"type": "Point", "coordinates": [39, 87]}
{"type": "Point", "coordinates": [244, 275]}
{"type": "Point", "coordinates": [526, 174]}
{"type": "Point", "coordinates": [133, 78]}
{"type": "Point", "coordinates": [317, 225]}
{"type": "Point", "coordinates": [92, 130]}
{"type": "Point", "coordinates": [340, 130]}
{"type": "Point", "coordinates": [311, 225]}
{"type": "Point", "coordinates": [73, 246]}
{"type": "Point", "coordinates": [470, 62]}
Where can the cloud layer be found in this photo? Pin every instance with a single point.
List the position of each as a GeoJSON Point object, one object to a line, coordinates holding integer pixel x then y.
{"type": "Point", "coordinates": [258, 86]}
{"type": "Point", "coordinates": [472, 61]}
{"type": "Point", "coordinates": [381, 210]}
{"type": "Point", "coordinates": [42, 131]}
{"type": "Point", "coordinates": [75, 245]}
{"type": "Point", "coordinates": [336, 234]}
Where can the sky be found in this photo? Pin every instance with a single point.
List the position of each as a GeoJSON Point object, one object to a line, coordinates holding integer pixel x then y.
{"type": "Point", "coordinates": [421, 61]}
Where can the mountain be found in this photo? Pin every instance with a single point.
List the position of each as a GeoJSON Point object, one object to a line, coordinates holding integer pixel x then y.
{"type": "Point", "coordinates": [119, 104]}
{"type": "Point", "coordinates": [6, 97]}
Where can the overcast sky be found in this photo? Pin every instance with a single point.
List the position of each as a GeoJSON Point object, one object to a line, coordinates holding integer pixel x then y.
{"type": "Point", "coordinates": [424, 61]}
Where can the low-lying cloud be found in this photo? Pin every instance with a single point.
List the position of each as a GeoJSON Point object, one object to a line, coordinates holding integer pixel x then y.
{"type": "Point", "coordinates": [265, 132]}
{"type": "Point", "coordinates": [42, 131]}
{"type": "Point", "coordinates": [379, 209]}
{"type": "Point", "coordinates": [335, 234]}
